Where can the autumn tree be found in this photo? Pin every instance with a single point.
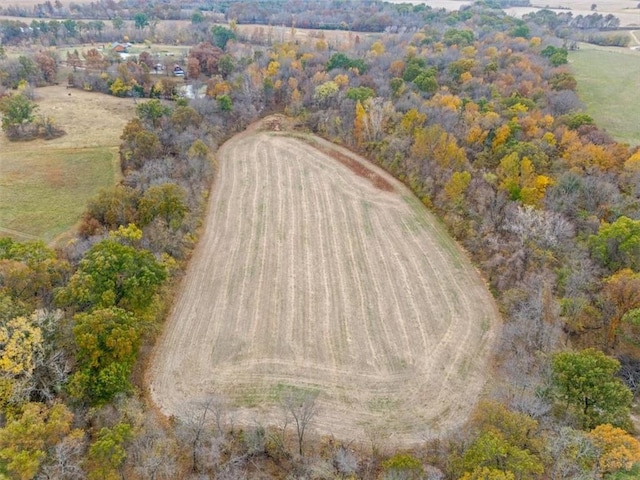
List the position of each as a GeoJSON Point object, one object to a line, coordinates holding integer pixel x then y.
{"type": "Point", "coordinates": [585, 381]}
{"type": "Point", "coordinates": [74, 60]}
{"type": "Point", "coordinates": [492, 451]}
{"type": "Point", "coordinates": [107, 453]}
{"type": "Point", "coordinates": [109, 209]}
{"type": "Point", "coordinates": [486, 473]}
{"type": "Point", "coordinates": [113, 274]}
{"type": "Point", "coordinates": [48, 65]}
{"type": "Point", "coordinates": [518, 177]}
{"type": "Point", "coordinates": [120, 88]}
{"type": "Point", "coordinates": [403, 466]}
{"type": "Point", "coordinates": [28, 436]}
{"type": "Point", "coordinates": [107, 342]}
{"type": "Point", "coordinates": [619, 450]}
{"type": "Point", "coordinates": [20, 345]}
{"type": "Point", "coordinates": [166, 201]}
{"type": "Point", "coordinates": [30, 271]}
{"type": "Point", "coordinates": [207, 57]}
{"type": "Point", "coordinates": [506, 445]}
{"type": "Point", "coordinates": [621, 294]}
{"type": "Point", "coordinates": [94, 60]}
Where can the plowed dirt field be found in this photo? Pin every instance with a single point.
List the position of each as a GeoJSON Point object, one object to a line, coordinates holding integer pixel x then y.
{"type": "Point", "coordinates": [318, 271]}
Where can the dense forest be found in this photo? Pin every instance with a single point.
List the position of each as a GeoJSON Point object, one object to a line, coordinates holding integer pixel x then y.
{"type": "Point", "coordinates": [475, 111]}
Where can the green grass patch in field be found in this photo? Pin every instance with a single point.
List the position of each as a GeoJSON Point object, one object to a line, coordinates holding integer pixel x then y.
{"type": "Point", "coordinates": [44, 191]}
{"type": "Point", "coordinates": [608, 85]}
{"type": "Point", "coordinates": [383, 404]}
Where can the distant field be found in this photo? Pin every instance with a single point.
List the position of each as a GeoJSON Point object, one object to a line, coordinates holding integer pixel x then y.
{"type": "Point", "coordinates": [608, 84]}
{"type": "Point", "coordinates": [45, 185]}
{"type": "Point", "coordinates": [625, 10]}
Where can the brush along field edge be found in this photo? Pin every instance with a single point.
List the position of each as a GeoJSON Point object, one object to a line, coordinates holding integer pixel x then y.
{"type": "Point", "coordinates": [307, 276]}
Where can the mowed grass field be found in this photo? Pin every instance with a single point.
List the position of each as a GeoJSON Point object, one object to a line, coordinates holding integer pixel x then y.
{"type": "Point", "coordinates": [608, 84]}
{"type": "Point", "coordinates": [318, 272]}
{"type": "Point", "coordinates": [45, 184]}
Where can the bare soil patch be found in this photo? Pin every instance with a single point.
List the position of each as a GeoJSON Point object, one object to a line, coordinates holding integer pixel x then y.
{"type": "Point", "coordinates": [309, 276]}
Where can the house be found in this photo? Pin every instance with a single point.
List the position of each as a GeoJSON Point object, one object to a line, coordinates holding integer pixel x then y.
{"type": "Point", "coordinates": [118, 47]}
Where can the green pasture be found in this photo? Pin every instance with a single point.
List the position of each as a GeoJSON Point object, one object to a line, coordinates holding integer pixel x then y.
{"type": "Point", "coordinates": [43, 192]}
{"type": "Point", "coordinates": [608, 85]}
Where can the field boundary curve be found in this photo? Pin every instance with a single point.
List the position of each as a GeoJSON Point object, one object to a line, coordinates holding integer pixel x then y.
{"type": "Point", "coordinates": [321, 273]}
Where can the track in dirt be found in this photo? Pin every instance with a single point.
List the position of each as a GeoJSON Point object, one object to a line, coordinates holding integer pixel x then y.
{"type": "Point", "coordinates": [307, 275]}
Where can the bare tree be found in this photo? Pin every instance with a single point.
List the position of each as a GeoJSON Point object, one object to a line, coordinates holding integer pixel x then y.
{"type": "Point", "coordinates": [66, 460]}
{"type": "Point", "coordinates": [345, 462]}
{"type": "Point", "coordinates": [153, 452]}
{"type": "Point", "coordinates": [195, 432]}
{"type": "Point", "coordinates": [301, 406]}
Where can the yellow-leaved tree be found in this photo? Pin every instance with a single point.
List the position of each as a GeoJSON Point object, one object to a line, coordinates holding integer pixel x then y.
{"type": "Point", "coordinates": [620, 451]}
{"type": "Point", "coordinates": [20, 345]}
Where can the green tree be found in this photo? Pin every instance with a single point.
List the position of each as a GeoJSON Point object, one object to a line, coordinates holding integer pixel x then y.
{"type": "Point", "coordinates": [226, 65]}
{"type": "Point", "coordinates": [491, 450]}
{"type": "Point", "coordinates": [517, 428]}
{"type": "Point", "coordinates": [113, 274]}
{"type": "Point", "coordinates": [360, 94]}
{"type": "Point", "coordinates": [107, 454]}
{"type": "Point", "coordinates": [140, 20]}
{"type": "Point", "coordinates": [403, 466]}
{"type": "Point", "coordinates": [453, 36]}
{"type": "Point", "coordinates": [340, 60]}
{"type": "Point", "coordinates": [586, 382]}
{"type": "Point", "coordinates": [225, 103]}
{"type": "Point", "coordinates": [107, 342]}
{"type": "Point", "coordinates": [221, 36]}
{"type": "Point", "coordinates": [27, 436]}
{"type": "Point", "coordinates": [557, 56]}
{"type": "Point", "coordinates": [426, 82]}
{"type": "Point", "coordinates": [17, 113]}
{"type": "Point", "coordinates": [617, 244]}
{"type": "Point", "coordinates": [484, 473]}
{"type": "Point", "coordinates": [118, 23]}
{"type": "Point", "coordinates": [152, 111]}
{"type": "Point", "coordinates": [522, 30]}
{"type": "Point", "coordinates": [197, 17]}
{"type": "Point", "coordinates": [167, 201]}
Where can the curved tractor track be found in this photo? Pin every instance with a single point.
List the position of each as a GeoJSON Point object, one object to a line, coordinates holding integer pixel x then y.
{"type": "Point", "coordinates": [318, 271]}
